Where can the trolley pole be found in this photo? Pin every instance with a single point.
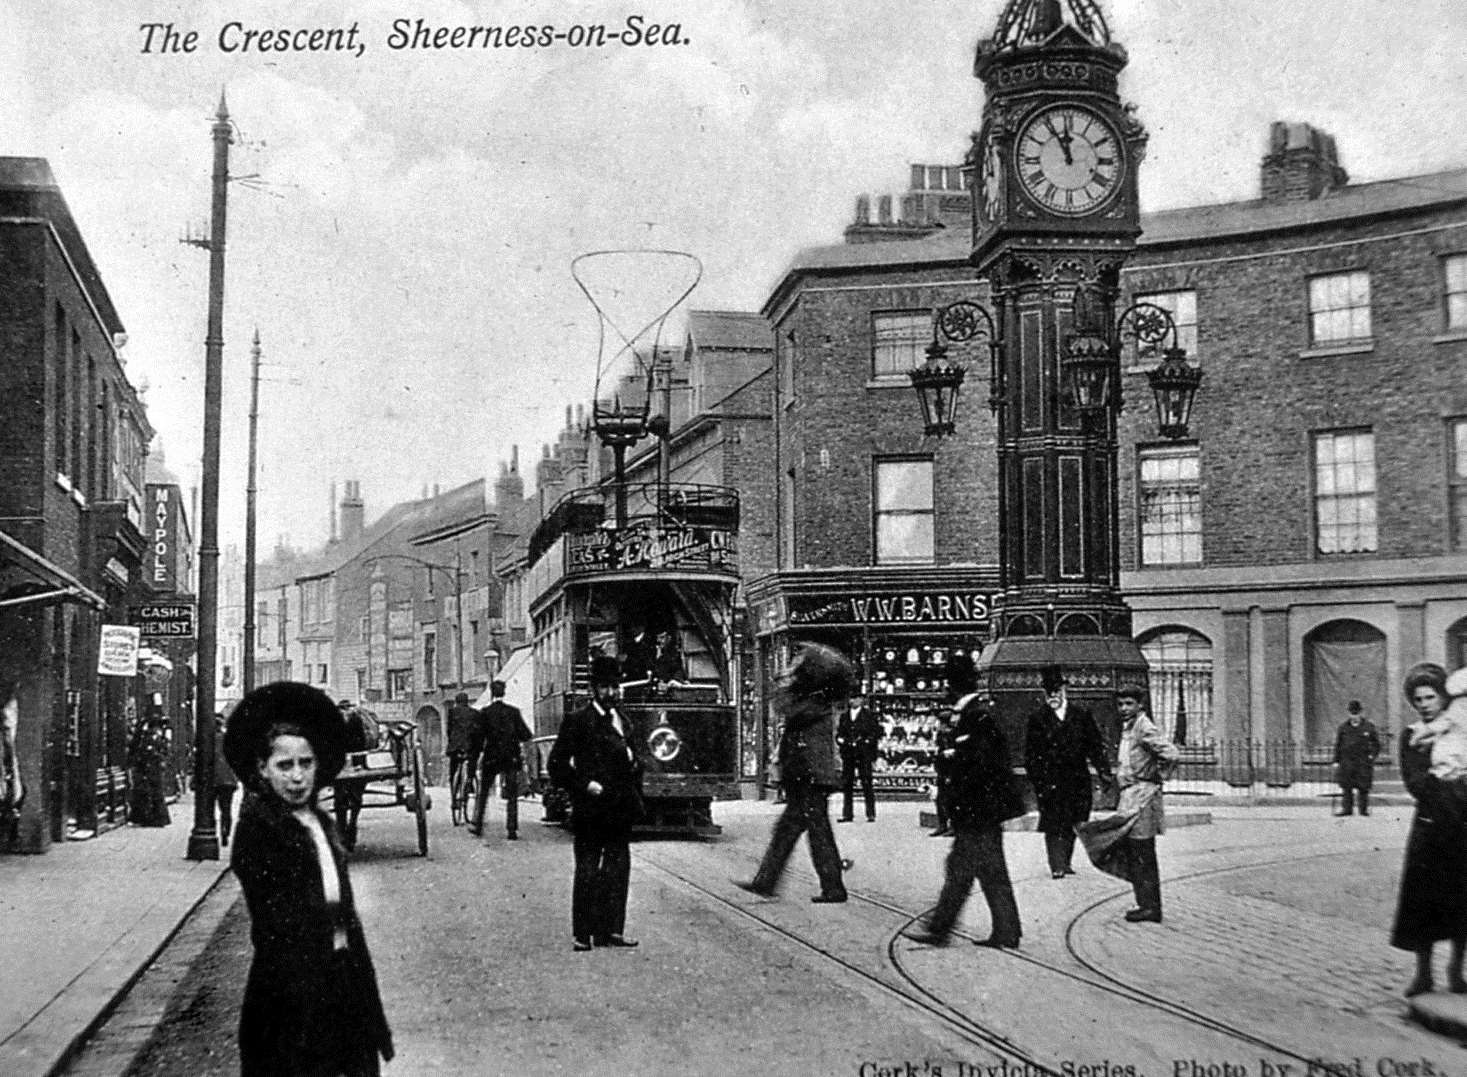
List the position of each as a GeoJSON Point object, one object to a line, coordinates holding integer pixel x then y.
{"type": "Point", "coordinates": [203, 842]}
{"type": "Point", "coordinates": [458, 607]}
{"type": "Point", "coordinates": [250, 628]}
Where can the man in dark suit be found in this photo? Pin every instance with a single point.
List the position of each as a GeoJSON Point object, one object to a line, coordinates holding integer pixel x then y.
{"type": "Point", "coordinates": [982, 796]}
{"type": "Point", "coordinates": [858, 735]}
{"type": "Point", "coordinates": [594, 761]}
{"type": "Point", "coordinates": [1061, 739]}
{"type": "Point", "coordinates": [815, 686]}
{"type": "Point", "coordinates": [1356, 746]}
{"type": "Point", "coordinates": [503, 731]}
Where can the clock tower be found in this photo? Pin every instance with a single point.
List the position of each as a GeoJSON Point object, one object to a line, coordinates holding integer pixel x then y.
{"type": "Point", "coordinates": [1055, 216]}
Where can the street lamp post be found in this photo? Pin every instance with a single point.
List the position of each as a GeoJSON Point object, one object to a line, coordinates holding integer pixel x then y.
{"type": "Point", "coordinates": [1081, 621]}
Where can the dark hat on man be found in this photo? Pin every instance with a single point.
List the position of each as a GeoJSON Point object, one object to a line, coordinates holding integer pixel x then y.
{"type": "Point", "coordinates": [1353, 707]}
{"type": "Point", "coordinates": [818, 670]}
{"type": "Point", "coordinates": [1052, 679]}
{"type": "Point", "coordinates": [604, 670]}
{"type": "Point", "coordinates": [462, 697]}
{"type": "Point", "coordinates": [496, 689]}
{"type": "Point", "coordinates": [1132, 690]}
{"type": "Point", "coordinates": [300, 705]}
{"type": "Point", "coordinates": [961, 674]}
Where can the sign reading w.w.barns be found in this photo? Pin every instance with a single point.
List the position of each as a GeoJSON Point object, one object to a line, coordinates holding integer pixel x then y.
{"type": "Point", "coordinates": [644, 548]}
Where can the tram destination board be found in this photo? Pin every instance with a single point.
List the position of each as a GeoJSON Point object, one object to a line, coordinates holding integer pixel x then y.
{"type": "Point", "coordinates": [165, 620]}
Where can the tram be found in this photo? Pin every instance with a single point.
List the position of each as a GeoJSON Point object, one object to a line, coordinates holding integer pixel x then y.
{"type": "Point", "coordinates": [646, 575]}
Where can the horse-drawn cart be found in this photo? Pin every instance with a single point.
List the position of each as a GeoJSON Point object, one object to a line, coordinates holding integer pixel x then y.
{"type": "Point", "coordinates": [386, 774]}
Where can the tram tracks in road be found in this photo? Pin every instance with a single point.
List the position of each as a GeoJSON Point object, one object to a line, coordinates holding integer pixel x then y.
{"type": "Point", "coordinates": [914, 997]}
{"type": "Point", "coordinates": [912, 992]}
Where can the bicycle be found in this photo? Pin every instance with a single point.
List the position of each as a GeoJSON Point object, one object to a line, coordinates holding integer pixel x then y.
{"type": "Point", "coordinates": [463, 785]}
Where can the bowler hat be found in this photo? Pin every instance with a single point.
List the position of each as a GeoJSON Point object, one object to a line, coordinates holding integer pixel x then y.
{"type": "Point", "coordinates": [604, 670]}
{"type": "Point", "coordinates": [1052, 679]}
{"type": "Point", "coordinates": [246, 738]}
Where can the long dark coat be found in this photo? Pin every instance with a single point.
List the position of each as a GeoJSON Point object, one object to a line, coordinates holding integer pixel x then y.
{"type": "Point", "coordinates": [807, 746]}
{"type": "Point", "coordinates": [1356, 747]}
{"type": "Point", "coordinates": [981, 786]}
{"type": "Point", "coordinates": [504, 731]}
{"type": "Point", "coordinates": [1055, 757]}
{"type": "Point", "coordinates": [589, 749]}
{"type": "Point", "coordinates": [1433, 901]}
{"type": "Point", "coordinates": [308, 1009]}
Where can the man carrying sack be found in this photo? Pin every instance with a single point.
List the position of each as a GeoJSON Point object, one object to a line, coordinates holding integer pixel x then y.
{"type": "Point", "coordinates": [1124, 845]}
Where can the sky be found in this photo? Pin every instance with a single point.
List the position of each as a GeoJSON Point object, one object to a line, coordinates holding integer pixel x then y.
{"type": "Point", "coordinates": [403, 225]}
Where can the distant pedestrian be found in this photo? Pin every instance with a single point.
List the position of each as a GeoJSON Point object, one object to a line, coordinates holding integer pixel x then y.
{"type": "Point", "coordinates": [311, 1004]}
{"type": "Point", "coordinates": [982, 797]}
{"type": "Point", "coordinates": [593, 759]}
{"type": "Point", "coordinates": [1356, 746]}
{"type": "Point", "coordinates": [1124, 845]}
{"type": "Point", "coordinates": [224, 782]}
{"type": "Point", "coordinates": [814, 688]}
{"type": "Point", "coordinates": [503, 734]}
{"type": "Point", "coordinates": [942, 768]}
{"type": "Point", "coordinates": [147, 757]}
{"type": "Point", "coordinates": [12, 788]}
{"type": "Point", "coordinates": [1061, 739]}
{"type": "Point", "coordinates": [1432, 905]}
{"type": "Point", "coordinates": [858, 735]}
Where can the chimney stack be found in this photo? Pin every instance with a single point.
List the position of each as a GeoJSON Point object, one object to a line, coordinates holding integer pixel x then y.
{"type": "Point", "coordinates": [333, 539]}
{"type": "Point", "coordinates": [353, 512]}
{"type": "Point", "coordinates": [1301, 164]}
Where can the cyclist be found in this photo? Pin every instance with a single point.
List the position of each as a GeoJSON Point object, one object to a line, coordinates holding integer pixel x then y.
{"type": "Point", "coordinates": [465, 741]}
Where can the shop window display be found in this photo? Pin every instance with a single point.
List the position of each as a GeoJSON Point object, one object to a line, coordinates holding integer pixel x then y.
{"type": "Point", "coordinates": [904, 683]}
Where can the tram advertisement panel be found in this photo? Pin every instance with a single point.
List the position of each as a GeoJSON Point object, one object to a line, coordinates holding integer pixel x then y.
{"type": "Point", "coordinates": [645, 546]}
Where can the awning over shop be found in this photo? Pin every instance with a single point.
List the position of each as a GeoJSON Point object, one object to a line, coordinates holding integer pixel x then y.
{"type": "Point", "coordinates": [518, 676]}
{"type": "Point", "coordinates": [60, 585]}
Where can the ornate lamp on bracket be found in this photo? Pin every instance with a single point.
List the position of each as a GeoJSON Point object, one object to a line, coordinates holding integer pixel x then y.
{"type": "Point", "coordinates": [1092, 359]}
{"type": "Point", "coordinates": [938, 382]}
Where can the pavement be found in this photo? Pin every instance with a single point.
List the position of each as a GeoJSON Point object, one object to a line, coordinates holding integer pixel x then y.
{"type": "Point", "coordinates": [78, 925]}
{"type": "Point", "coordinates": [83, 921]}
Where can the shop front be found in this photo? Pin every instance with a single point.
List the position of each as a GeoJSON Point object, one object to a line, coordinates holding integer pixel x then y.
{"type": "Point", "coordinates": [898, 626]}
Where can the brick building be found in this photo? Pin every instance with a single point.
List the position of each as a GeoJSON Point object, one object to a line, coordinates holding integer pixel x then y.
{"type": "Point", "coordinates": [1300, 550]}
{"type": "Point", "coordinates": [73, 443]}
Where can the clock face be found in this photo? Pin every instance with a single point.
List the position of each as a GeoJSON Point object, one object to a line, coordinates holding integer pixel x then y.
{"type": "Point", "coordinates": [1069, 160]}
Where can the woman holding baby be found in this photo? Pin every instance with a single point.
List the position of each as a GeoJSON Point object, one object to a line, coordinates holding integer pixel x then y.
{"type": "Point", "coordinates": [1433, 900]}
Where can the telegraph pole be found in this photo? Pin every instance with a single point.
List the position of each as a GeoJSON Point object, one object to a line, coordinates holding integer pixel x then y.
{"type": "Point", "coordinates": [203, 842]}
{"type": "Point", "coordinates": [250, 628]}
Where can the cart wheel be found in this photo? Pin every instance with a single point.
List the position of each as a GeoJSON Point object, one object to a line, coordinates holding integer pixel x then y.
{"type": "Point", "coordinates": [420, 800]}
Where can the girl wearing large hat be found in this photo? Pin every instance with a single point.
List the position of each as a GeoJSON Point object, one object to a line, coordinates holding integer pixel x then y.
{"type": "Point", "coordinates": [311, 1005]}
{"type": "Point", "coordinates": [1432, 906]}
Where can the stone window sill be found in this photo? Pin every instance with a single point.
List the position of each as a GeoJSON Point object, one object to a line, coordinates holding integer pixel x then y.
{"type": "Point", "coordinates": [1451, 336]}
{"type": "Point", "coordinates": [1348, 347]}
{"type": "Point", "coordinates": [889, 381]}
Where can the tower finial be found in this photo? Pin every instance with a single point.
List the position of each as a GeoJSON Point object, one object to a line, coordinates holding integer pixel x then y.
{"type": "Point", "coordinates": [223, 111]}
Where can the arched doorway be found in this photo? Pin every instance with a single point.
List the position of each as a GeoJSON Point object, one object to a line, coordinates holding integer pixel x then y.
{"type": "Point", "coordinates": [430, 730]}
{"type": "Point", "coordinates": [1181, 683]}
{"type": "Point", "coordinates": [1343, 660]}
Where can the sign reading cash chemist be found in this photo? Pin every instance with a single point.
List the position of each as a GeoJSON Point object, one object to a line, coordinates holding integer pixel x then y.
{"type": "Point", "coordinates": [165, 620]}
{"type": "Point", "coordinates": [645, 547]}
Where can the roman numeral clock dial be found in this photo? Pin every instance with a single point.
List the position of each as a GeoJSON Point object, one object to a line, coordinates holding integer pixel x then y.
{"type": "Point", "coordinates": [1069, 160]}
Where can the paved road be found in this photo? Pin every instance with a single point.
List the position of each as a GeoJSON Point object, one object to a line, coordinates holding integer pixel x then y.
{"type": "Point", "coordinates": [1273, 950]}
